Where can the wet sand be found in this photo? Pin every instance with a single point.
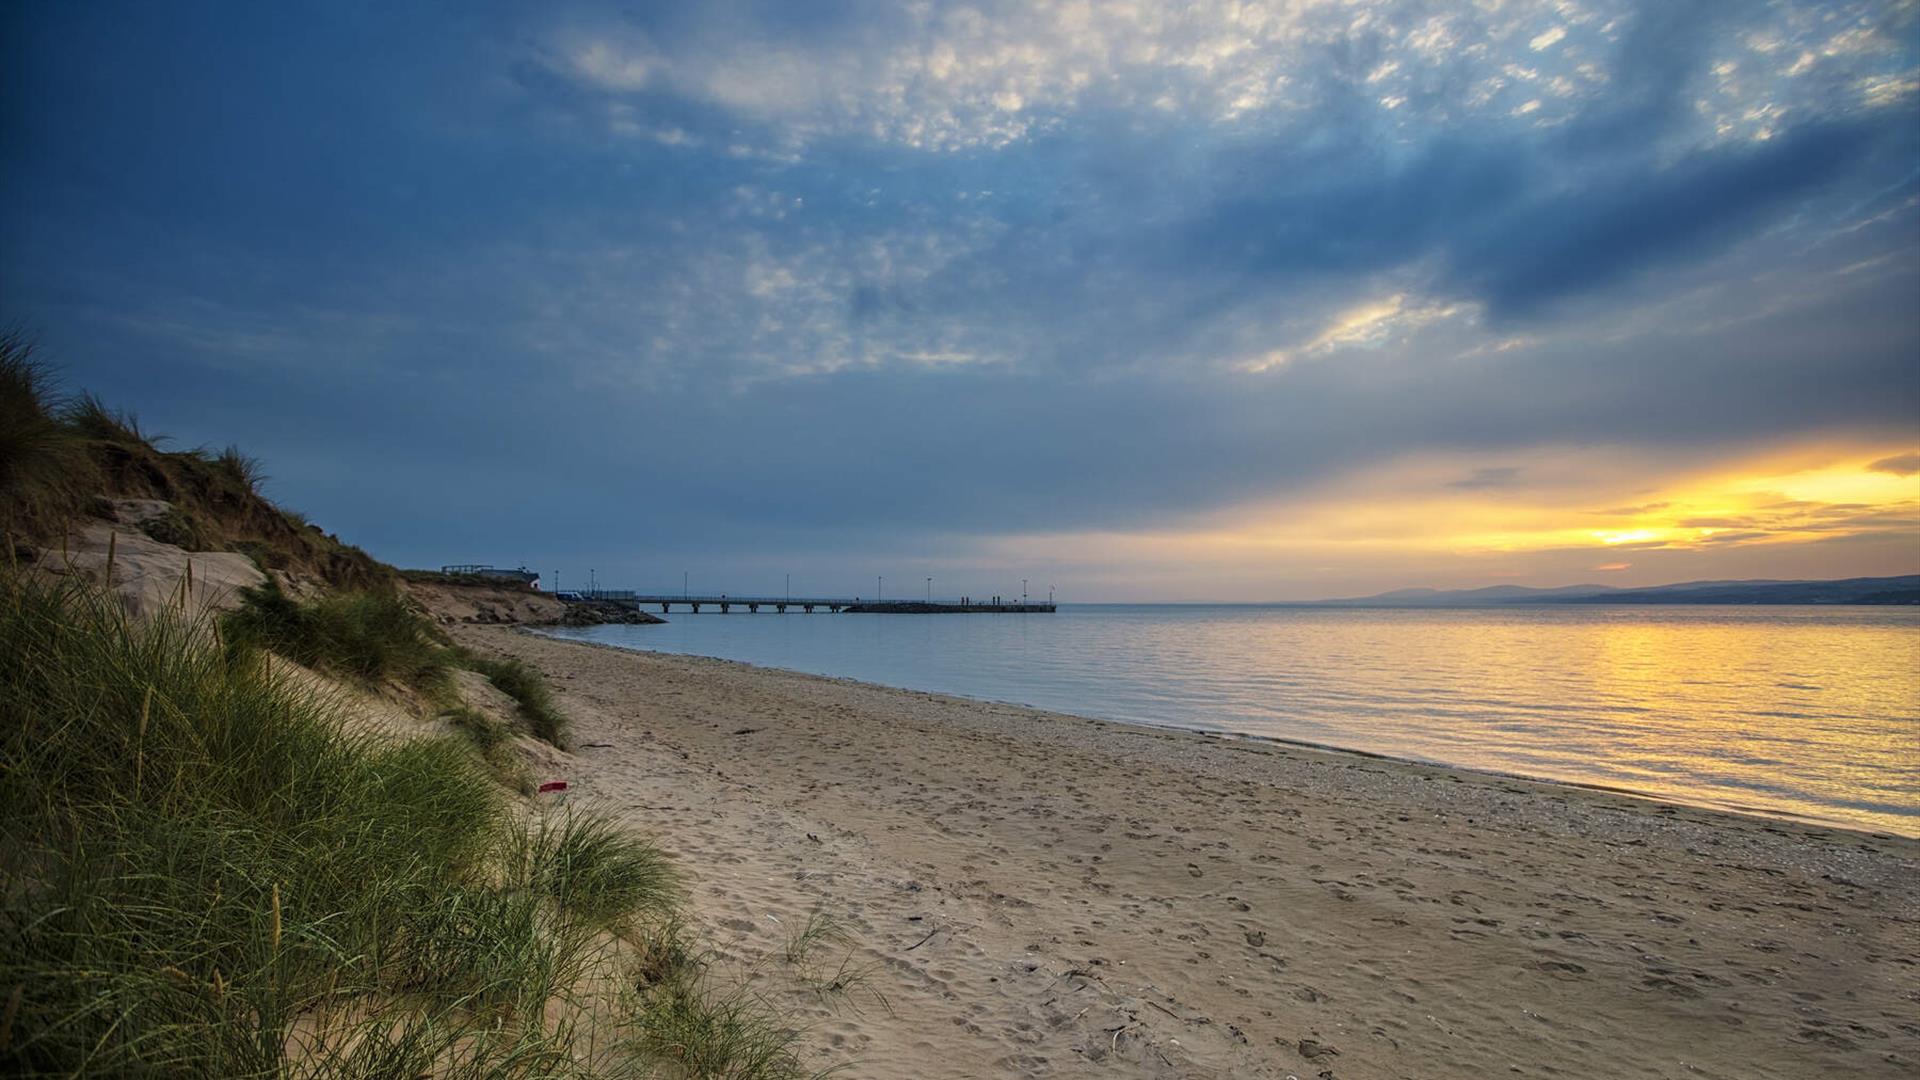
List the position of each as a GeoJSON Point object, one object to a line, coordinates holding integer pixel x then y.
{"type": "Point", "coordinates": [1030, 894]}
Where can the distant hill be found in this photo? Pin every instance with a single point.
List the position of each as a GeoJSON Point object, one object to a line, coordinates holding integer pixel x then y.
{"type": "Point", "coordinates": [1881, 590]}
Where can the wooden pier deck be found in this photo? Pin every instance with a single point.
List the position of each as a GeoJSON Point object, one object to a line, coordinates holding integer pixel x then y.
{"type": "Point", "coordinates": [725, 604]}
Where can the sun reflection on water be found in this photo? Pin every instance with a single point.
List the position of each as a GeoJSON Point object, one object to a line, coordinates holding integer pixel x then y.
{"type": "Point", "coordinates": [1807, 711]}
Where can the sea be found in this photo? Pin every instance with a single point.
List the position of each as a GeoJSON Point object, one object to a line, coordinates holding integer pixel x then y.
{"type": "Point", "coordinates": [1808, 712]}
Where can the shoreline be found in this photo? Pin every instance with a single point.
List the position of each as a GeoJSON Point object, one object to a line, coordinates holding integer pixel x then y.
{"type": "Point", "coordinates": [1025, 893]}
{"type": "Point", "coordinates": [1760, 813]}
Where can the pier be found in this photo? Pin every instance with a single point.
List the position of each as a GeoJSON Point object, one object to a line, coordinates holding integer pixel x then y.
{"type": "Point", "coordinates": [725, 604]}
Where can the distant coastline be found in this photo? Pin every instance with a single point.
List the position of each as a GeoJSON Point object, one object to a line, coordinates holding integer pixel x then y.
{"type": "Point", "coordinates": [1868, 591]}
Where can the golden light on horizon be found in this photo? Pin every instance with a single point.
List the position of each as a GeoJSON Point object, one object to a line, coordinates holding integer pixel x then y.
{"type": "Point", "coordinates": [1778, 505]}
{"type": "Point", "coordinates": [1767, 501]}
{"type": "Point", "coordinates": [1412, 514]}
{"type": "Point", "coordinates": [1629, 536]}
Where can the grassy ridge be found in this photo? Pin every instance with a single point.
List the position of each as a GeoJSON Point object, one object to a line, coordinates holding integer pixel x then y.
{"type": "Point", "coordinates": [376, 636]}
{"type": "Point", "coordinates": [197, 857]}
{"type": "Point", "coordinates": [371, 636]}
{"type": "Point", "coordinates": [201, 873]}
{"type": "Point", "coordinates": [62, 459]}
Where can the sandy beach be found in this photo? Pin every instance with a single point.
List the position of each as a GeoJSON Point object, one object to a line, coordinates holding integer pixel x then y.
{"type": "Point", "coordinates": [1030, 894]}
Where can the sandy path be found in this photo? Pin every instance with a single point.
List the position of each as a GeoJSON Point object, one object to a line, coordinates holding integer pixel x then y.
{"type": "Point", "coordinates": [1040, 895]}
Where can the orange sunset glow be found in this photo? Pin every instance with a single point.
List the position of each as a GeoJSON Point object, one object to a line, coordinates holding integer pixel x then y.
{"type": "Point", "coordinates": [1562, 515]}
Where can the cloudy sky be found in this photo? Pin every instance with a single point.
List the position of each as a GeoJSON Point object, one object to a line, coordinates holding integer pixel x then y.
{"type": "Point", "coordinates": [1142, 300]}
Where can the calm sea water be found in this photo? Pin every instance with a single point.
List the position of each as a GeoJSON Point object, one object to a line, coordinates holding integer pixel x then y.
{"type": "Point", "coordinates": [1807, 711]}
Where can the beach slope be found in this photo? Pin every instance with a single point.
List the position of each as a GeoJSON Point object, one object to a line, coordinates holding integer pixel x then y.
{"type": "Point", "coordinates": [1028, 894]}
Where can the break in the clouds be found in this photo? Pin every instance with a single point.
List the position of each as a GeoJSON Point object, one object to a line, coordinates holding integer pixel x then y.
{"type": "Point", "coordinates": [974, 289]}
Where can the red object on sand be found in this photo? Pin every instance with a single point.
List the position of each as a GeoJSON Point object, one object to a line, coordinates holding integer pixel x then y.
{"type": "Point", "coordinates": [553, 785]}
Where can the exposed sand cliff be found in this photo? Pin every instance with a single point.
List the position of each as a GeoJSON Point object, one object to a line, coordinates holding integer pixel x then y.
{"type": "Point", "coordinates": [496, 604]}
{"type": "Point", "coordinates": [146, 574]}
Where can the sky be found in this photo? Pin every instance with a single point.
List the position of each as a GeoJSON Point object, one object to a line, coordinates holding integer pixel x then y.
{"type": "Point", "coordinates": [1136, 300]}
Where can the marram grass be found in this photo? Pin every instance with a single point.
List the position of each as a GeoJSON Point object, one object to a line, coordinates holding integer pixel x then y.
{"type": "Point", "coordinates": [528, 687]}
{"type": "Point", "coordinates": [375, 636]}
{"type": "Point", "coordinates": [372, 635]}
{"type": "Point", "coordinates": [203, 874]}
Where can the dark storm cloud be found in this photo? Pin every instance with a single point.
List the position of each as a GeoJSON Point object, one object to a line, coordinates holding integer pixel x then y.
{"type": "Point", "coordinates": [1586, 238]}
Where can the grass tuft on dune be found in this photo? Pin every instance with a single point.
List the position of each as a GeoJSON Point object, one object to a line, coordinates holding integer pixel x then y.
{"type": "Point", "coordinates": [377, 636]}
{"type": "Point", "coordinates": [46, 476]}
{"type": "Point", "coordinates": [372, 636]}
{"type": "Point", "coordinates": [528, 688]}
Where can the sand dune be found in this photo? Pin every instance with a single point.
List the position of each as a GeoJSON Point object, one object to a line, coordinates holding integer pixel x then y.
{"type": "Point", "coordinates": [1039, 895]}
